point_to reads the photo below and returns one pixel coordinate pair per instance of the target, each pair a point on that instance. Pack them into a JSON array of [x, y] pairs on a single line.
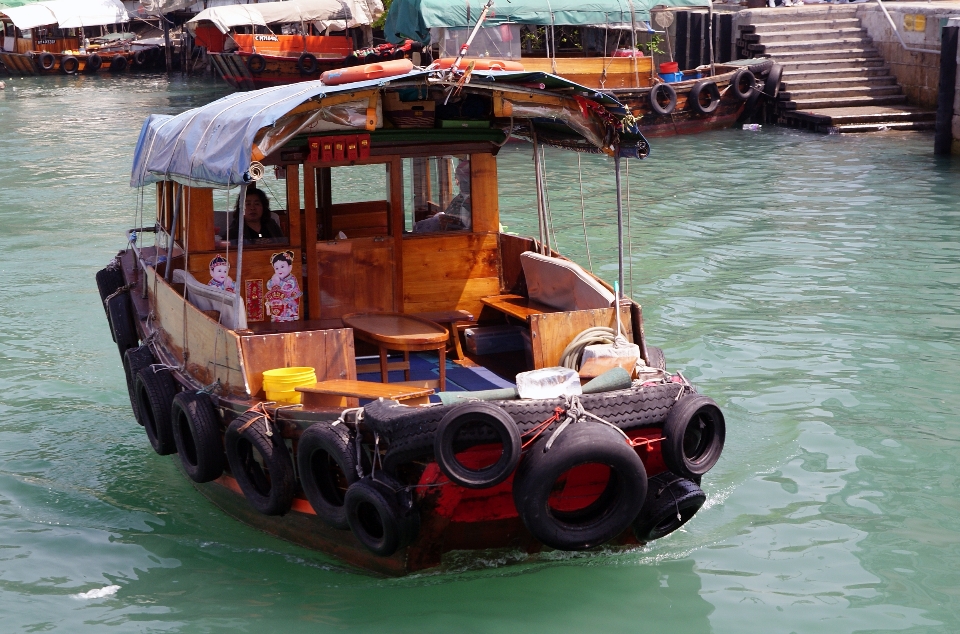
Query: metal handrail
[[896, 32]]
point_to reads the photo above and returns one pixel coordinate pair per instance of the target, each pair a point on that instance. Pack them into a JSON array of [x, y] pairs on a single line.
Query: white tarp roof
[[68, 14], [338, 13]]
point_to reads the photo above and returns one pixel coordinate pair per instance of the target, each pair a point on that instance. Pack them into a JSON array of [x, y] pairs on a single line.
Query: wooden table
[[405, 333]]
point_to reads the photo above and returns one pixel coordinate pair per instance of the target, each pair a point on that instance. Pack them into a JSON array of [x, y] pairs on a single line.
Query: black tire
[[771, 86], [750, 107], [118, 64], [94, 62], [69, 65], [109, 279], [328, 466], [134, 360], [139, 58], [656, 358], [742, 84], [120, 316], [155, 392], [600, 521], [47, 61], [671, 502], [381, 514], [256, 64], [705, 88], [268, 482], [196, 433], [669, 93], [307, 64], [481, 415], [693, 436], [408, 431], [760, 68]]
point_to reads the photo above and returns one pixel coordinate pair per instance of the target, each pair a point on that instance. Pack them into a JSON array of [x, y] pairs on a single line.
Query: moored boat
[[243, 338]]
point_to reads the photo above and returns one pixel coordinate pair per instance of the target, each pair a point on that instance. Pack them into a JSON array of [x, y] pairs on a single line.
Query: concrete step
[[883, 127], [840, 93], [786, 37], [832, 74], [850, 116], [792, 84], [827, 64], [860, 118], [806, 13], [852, 44], [846, 54], [803, 25], [846, 102]]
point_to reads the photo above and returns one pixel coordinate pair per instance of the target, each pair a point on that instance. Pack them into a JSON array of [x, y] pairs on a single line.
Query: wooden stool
[[454, 321], [347, 393], [406, 333]]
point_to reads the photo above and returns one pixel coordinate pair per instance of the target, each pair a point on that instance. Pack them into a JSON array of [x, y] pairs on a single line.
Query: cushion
[[561, 284]]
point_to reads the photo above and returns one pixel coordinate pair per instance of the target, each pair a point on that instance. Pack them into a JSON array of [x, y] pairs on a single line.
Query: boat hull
[[26, 64], [234, 68]]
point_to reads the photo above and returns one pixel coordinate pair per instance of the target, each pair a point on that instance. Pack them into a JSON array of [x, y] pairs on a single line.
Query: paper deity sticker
[[283, 293], [254, 297], [219, 267]]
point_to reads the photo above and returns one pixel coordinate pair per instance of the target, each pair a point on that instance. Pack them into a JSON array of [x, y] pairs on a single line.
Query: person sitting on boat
[[456, 217], [258, 226]]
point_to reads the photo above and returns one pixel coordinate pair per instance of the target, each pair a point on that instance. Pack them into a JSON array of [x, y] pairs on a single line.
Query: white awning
[[68, 14], [346, 13]]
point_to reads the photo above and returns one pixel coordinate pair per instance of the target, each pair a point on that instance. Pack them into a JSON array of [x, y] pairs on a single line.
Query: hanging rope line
[[583, 215], [629, 229]]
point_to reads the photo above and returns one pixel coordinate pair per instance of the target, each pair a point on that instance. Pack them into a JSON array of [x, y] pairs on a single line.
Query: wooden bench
[[517, 306], [347, 393], [454, 321]]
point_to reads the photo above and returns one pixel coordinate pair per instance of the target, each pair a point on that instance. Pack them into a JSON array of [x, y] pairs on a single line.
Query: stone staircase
[[834, 79]]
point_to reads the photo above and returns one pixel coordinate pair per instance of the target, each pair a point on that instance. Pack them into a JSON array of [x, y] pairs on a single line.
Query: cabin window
[[358, 202], [267, 222], [437, 195]]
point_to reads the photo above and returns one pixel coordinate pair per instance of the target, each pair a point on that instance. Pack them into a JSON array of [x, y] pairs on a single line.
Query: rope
[[259, 408], [629, 230], [583, 215], [122, 289], [570, 357]]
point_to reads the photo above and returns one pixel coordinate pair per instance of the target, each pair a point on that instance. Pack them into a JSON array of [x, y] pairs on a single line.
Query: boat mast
[[616, 167]]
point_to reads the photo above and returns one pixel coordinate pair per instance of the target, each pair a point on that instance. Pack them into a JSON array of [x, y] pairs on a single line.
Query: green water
[[811, 284]]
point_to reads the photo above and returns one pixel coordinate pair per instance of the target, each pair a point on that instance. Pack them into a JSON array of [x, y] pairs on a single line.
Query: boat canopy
[[413, 19], [214, 145], [340, 14], [68, 14]]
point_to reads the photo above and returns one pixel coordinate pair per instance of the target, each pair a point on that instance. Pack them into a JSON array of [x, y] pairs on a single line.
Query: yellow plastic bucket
[[279, 384]]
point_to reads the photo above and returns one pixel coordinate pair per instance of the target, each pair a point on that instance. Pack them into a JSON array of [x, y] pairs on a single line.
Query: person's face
[[219, 273], [282, 268], [253, 208]]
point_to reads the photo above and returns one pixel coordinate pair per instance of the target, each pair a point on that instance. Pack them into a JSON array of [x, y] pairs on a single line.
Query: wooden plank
[[322, 350], [484, 193], [517, 306], [294, 208], [464, 295], [395, 193], [511, 271], [550, 333], [356, 276], [449, 272], [616, 72], [197, 211], [310, 239]]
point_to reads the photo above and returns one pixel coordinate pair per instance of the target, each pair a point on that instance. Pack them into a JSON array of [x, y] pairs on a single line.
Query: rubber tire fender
[[94, 62], [771, 86], [118, 64], [109, 279], [140, 58], [256, 64], [69, 65], [486, 414], [656, 358], [671, 502], [693, 435], [120, 317], [155, 391], [602, 520], [269, 491], [134, 360], [670, 94], [47, 60], [327, 459], [196, 433], [307, 64], [698, 89], [743, 76], [381, 514]]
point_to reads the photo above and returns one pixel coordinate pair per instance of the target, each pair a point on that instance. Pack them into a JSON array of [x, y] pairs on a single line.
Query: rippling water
[[811, 284]]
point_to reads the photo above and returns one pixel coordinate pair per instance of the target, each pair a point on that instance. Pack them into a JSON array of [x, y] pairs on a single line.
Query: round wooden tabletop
[[395, 329]]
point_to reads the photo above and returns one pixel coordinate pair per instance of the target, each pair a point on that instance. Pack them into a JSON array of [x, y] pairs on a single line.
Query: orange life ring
[[480, 64], [378, 70]]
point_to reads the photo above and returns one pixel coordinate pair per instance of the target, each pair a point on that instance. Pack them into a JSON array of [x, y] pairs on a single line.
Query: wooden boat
[[268, 54], [51, 38], [402, 483], [710, 96]]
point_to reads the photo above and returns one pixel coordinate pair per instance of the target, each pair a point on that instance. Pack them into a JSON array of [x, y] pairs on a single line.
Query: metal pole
[[238, 305], [616, 164], [541, 206], [173, 230], [713, 67]]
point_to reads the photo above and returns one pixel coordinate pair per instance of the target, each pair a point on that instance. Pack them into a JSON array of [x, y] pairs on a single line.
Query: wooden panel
[[329, 352], [511, 270], [550, 333], [294, 210], [395, 195], [310, 239], [449, 272], [197, 212], [484, 194], [355, 276], [589, 71], [211, 350]]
